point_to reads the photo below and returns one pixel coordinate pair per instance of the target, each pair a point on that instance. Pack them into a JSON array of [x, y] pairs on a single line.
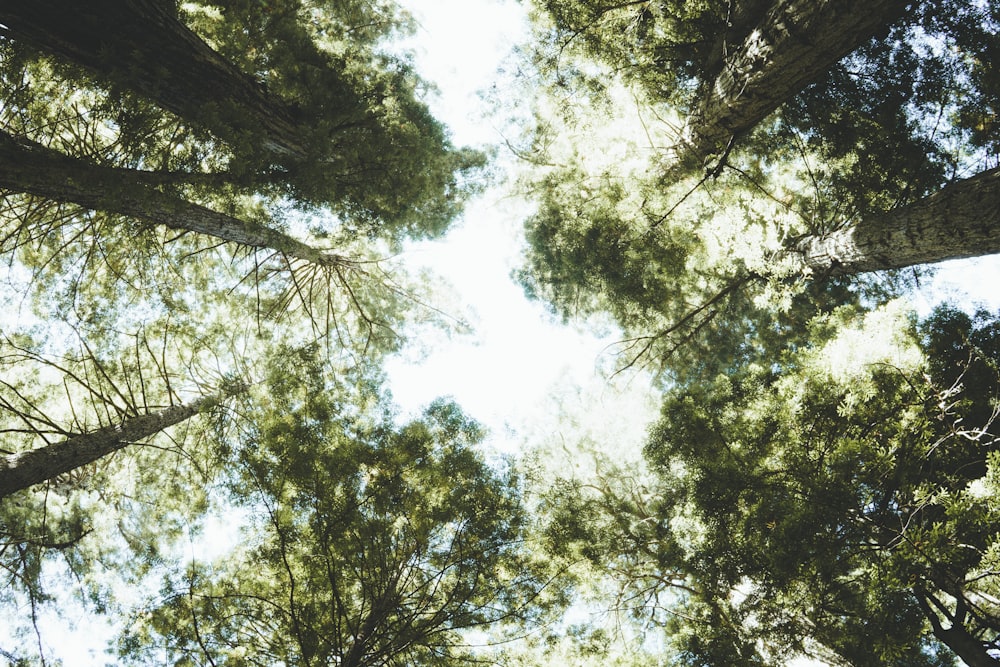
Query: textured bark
[[795, 42], [34, 169], [142, 45], [960, 220], [25, 469], [956, 637]]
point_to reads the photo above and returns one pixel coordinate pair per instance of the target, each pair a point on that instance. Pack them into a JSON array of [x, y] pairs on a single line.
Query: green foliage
[[694, 274], [367, 543], [709, 262], [841, 504], [663, 45], [79, 269], [73, 538], [140, 316], [894, 116]]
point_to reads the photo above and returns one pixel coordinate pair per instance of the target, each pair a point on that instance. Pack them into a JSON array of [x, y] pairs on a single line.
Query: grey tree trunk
[[24, 469], [142, 45], [960, 220], [34, 169], [795, 42]]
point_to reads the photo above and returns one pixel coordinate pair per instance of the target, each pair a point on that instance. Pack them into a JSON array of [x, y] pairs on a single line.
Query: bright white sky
[[504, 373]]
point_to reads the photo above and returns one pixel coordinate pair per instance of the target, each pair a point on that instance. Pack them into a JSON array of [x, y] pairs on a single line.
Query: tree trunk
[[960, 220], [965, 646], [34, 169], [956, 637], [143, 46], [25, 469], [796, 42], [381, 609]]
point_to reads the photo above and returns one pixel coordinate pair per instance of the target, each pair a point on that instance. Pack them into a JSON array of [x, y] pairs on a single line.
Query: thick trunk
[[33, 169], [960, 220], [143, 46], [25, 469], [956, 637], [965, 646], [744, 16], [796, 42]]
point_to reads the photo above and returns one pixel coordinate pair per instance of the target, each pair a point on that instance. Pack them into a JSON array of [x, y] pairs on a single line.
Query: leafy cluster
[[839, 508], [682, 257], [196, 206], [368, 543]]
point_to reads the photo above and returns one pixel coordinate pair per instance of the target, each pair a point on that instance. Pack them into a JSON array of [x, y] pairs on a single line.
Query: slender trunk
[[34, 169], [142, 45], [381, 609], [960, 220], [796, 42], [25, 469]]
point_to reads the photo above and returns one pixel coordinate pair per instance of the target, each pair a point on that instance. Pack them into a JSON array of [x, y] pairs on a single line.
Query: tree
[[298, 87], [794, 216], [727, 65], [960, 220], [368, 543], [127, 159], [792, 45], [105, 465], [838, 504], [24, 469], [30, 168], [132, 168]]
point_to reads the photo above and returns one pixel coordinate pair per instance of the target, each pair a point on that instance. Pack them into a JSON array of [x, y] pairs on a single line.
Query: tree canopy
[[838, 180], [201, 208], [183, 196], [839, 506], [301, 94], [368, 544]]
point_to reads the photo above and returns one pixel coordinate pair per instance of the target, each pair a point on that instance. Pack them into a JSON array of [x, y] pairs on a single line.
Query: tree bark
[[30, 168], [796, 42], [24, 469], [142, 45], [971, 651], [960, 220]]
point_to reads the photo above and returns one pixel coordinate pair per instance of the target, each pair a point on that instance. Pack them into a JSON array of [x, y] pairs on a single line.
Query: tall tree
[[789, 48], [840, 182], [31, 168], [839, 504], [69, 402], [960, 220], [103, 458], [306, 91], [727, 65], [23, 469], [368, 543], [134, 168]]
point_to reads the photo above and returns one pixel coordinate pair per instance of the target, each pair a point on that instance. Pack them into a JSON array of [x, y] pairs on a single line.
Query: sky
[[507, 372], [520, 373]]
